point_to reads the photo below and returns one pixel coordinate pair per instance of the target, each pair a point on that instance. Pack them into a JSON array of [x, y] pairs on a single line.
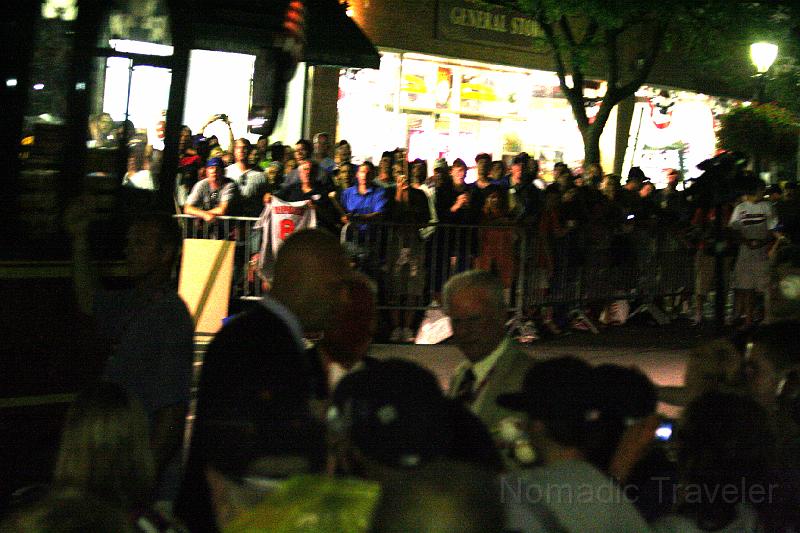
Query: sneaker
[[396, 335], [526, 333], [579, 325], [407, 335]]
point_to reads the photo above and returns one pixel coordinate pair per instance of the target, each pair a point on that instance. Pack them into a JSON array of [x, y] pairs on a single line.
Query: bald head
[[308, 267], [353, 321]]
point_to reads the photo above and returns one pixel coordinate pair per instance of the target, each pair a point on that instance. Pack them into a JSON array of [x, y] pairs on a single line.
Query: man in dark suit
[[494, 364], [258, 364]]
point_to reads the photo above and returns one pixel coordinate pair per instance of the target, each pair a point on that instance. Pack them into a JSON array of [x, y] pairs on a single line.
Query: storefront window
[[447, 108], [128, 103], [670, 129], [124, 87]]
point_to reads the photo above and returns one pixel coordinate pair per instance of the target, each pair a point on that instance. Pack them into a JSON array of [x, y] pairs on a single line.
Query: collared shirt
[[283, 312], [374, 201], [484, 367]]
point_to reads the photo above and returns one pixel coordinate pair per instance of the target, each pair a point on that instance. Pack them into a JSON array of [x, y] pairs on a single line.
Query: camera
[[664, 431]]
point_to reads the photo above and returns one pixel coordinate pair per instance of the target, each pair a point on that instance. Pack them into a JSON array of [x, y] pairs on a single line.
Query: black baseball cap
[[395, 413], [625, 393], [562, 387]]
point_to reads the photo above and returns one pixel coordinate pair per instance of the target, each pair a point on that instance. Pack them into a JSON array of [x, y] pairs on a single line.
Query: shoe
[[396, 335], [579, 325], [407, 335], [526, 333]]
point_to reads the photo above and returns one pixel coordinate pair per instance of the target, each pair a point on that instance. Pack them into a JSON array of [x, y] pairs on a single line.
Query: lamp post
[[762, 54]]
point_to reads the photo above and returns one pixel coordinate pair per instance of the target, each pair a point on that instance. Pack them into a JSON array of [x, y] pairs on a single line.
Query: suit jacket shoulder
[[506, 377]]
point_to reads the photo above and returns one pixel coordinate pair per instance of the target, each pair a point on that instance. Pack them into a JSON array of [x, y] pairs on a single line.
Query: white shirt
[[754, 219], [484, 367], [142, 179]]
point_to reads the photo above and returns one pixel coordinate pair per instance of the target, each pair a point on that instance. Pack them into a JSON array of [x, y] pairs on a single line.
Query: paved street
[[660, 351]]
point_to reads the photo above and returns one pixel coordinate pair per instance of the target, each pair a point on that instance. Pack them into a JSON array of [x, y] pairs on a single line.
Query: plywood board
[[205, 281]]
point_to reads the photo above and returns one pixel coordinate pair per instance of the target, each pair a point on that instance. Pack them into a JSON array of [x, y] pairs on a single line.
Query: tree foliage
[[763, 130], [620, 41]]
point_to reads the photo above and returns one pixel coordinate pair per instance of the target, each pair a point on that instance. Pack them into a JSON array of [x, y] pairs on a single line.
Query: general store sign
[[474, 22]]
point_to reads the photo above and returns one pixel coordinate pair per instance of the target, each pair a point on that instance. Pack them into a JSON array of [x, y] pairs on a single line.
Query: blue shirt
[[373, 201]]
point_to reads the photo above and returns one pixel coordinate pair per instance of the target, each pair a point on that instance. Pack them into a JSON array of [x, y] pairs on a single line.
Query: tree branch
[[643, 70], [575, 93], [612, 76], [566, 29], [591, 31]]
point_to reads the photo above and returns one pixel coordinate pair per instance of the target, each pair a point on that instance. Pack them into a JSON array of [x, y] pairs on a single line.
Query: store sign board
[[475, 22]]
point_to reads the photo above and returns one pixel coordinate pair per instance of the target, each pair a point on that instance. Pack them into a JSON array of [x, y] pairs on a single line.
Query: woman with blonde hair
[[105, 449]]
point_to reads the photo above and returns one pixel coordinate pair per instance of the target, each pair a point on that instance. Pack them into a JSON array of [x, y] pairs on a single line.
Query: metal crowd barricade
[[641, 265], [410, 264]]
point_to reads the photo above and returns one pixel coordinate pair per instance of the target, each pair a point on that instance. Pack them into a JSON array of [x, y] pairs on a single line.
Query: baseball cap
[[562, 387], [636, 174], [624, 393], [394, 411], [215, 162]]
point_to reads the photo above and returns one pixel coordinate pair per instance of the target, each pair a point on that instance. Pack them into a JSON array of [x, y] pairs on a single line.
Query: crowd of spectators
[[575, 222]]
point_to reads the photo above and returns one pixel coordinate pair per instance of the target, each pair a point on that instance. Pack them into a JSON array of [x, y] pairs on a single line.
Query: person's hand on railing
[[207, 216]]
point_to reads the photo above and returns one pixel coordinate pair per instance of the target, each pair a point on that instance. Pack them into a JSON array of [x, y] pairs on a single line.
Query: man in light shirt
[[494, 364]]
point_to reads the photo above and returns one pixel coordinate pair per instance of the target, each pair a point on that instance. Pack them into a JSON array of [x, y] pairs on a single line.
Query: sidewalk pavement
[[660, 351]]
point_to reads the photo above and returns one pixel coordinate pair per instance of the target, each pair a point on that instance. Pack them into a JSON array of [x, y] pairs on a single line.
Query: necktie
[[465, 393]]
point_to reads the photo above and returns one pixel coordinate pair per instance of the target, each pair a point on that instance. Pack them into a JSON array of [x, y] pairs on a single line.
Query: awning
[[334, 39]]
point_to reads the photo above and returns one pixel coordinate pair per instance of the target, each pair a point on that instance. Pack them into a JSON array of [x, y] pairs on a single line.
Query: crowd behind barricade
[[298, 428], [579, 250]]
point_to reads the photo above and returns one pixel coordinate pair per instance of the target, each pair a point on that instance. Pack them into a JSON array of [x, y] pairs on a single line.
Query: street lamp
[[762, 54]]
